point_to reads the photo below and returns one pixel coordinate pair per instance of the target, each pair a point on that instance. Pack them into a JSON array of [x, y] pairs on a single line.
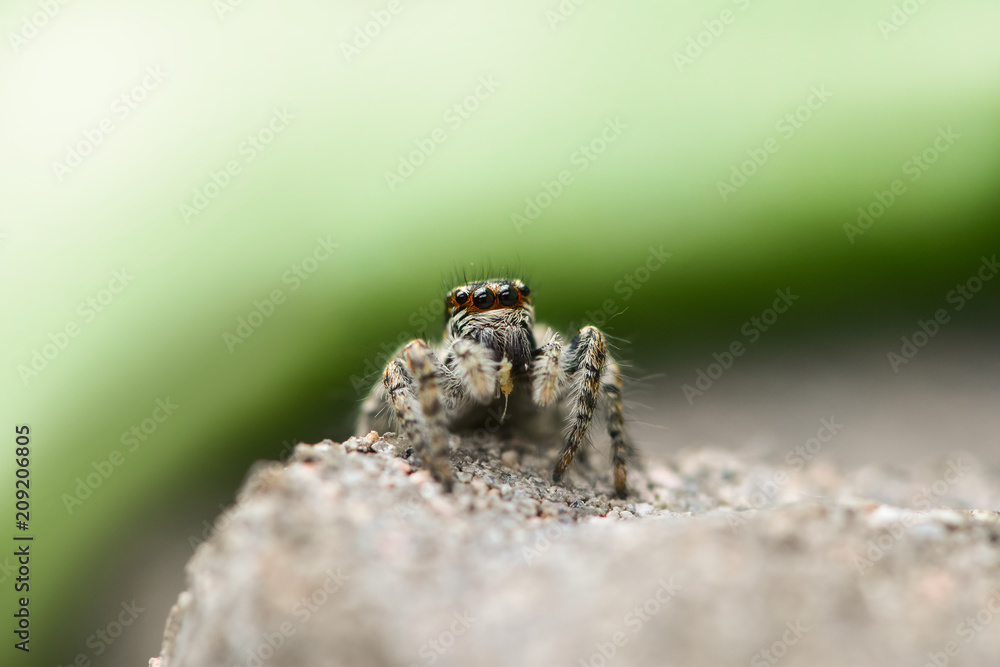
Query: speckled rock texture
[[349, 554]]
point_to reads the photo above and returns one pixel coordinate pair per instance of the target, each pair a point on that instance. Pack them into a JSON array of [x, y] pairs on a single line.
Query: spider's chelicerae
[[494, 360]]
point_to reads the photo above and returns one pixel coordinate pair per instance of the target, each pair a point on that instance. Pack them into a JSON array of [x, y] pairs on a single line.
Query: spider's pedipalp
[[547, 377], [473, 369]]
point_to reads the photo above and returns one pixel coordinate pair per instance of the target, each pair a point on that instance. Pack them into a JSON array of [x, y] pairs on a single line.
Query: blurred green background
[[120, 121]]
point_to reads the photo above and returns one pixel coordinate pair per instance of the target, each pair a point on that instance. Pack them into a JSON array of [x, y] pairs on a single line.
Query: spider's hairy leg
[[422, 421], [586, 356], [473, 370], [611, 385], [396, 384], [547, 375]]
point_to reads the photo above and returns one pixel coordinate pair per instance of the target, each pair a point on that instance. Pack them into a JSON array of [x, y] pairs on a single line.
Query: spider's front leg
[[413, 384], [585, 363], [592, 372]]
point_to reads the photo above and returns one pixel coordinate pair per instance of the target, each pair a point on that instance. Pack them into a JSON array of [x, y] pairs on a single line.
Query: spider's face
[[497, 313], [488, 295]]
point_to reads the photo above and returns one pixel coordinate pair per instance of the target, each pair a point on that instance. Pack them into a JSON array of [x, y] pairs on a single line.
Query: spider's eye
[[483, 298], [507, 295], [461, 296], [524, 290]]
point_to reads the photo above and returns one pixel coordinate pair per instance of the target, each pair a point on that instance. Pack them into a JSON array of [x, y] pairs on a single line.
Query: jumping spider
[[490, 361]]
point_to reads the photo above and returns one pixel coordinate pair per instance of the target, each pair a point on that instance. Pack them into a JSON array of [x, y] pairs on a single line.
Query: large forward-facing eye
[[507, 296], [483, 298]]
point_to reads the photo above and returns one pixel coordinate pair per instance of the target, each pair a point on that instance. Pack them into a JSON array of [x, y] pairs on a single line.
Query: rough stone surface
[[349, 554]]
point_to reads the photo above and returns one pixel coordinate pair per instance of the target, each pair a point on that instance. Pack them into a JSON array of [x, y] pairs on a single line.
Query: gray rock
[[350, 555]]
